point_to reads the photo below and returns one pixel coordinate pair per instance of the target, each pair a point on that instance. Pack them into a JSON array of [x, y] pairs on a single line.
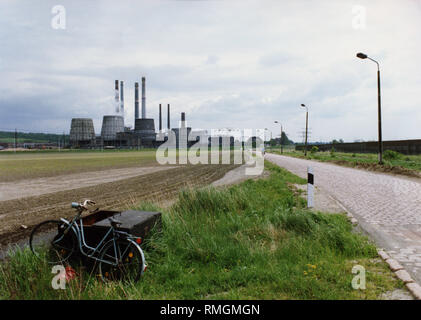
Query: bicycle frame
[[78, 231]]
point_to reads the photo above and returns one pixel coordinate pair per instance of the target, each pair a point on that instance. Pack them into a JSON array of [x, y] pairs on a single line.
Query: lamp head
[[361, 55], [303, 105]]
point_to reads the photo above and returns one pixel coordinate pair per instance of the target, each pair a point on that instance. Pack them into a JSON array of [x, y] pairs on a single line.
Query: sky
[[226, 63]]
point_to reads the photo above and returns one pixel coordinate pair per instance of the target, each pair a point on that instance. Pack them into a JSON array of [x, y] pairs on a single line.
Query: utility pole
[[305, 148], [379, 117], [280, 140], [305, 152], [282, 150], [379, 114], [16, 139]]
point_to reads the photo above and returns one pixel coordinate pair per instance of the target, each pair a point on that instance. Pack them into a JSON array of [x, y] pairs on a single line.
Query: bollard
[[310, 188]]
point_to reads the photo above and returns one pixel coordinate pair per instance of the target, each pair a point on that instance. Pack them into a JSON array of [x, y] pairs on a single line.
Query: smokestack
[[117, 107], [183, 120], [136, 100], [122, 97], [168, 117], [143, 99], [160, 118]]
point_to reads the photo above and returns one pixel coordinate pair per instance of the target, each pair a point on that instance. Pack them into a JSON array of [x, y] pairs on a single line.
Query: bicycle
[[118, 253]]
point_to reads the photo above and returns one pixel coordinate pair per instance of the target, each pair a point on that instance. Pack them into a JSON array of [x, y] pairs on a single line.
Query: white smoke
[[117, 103]]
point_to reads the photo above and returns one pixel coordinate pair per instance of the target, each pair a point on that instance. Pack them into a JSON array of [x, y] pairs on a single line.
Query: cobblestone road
[[387, 207]]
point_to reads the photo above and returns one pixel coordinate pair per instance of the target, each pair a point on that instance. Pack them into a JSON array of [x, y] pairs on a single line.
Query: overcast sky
[[238, 64]]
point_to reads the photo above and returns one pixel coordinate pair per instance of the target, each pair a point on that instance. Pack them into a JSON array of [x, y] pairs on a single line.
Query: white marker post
[[310, 188]]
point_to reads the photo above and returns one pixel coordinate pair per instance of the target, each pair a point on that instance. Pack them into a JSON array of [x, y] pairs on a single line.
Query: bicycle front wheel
[[48, 241], [121, 260]]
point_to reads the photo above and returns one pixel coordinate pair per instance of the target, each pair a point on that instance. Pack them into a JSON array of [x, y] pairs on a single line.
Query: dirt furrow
[[118, 195]]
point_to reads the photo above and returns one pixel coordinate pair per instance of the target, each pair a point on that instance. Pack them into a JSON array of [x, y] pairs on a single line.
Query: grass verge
[[408, 165], [254, 240]]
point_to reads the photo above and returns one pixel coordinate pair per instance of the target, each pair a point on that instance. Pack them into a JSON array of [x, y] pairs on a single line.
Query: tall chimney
[[117, 106], [136, 100], [168, 117], [160, 118], [183, 120], [143, 99], [122, 98]]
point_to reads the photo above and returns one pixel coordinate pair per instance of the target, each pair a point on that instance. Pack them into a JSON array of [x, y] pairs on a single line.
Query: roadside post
[[310, 187]]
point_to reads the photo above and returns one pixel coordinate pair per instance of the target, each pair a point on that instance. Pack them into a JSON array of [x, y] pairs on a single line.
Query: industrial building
[[82, 133], [113, 130]]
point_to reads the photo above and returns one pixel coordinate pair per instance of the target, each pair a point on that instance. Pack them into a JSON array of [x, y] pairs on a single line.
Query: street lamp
[[364, 56], [305, 149], [280, 140]]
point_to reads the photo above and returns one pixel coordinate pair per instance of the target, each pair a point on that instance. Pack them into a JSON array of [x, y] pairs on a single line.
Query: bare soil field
[[39, 186], [156, 187]]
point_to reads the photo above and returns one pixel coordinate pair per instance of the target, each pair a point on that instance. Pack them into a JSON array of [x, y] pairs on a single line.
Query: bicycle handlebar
[[82, 206]]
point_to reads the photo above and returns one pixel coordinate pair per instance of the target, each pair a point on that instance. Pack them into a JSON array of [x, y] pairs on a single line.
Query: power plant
[[114, 134], [111, 126], [82, 133]]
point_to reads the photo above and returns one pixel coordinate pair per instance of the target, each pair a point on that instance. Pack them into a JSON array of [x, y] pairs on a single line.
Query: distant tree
[[284, 139]]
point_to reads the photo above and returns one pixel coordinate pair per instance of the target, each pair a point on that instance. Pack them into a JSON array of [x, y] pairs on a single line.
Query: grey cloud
[[244, 71]]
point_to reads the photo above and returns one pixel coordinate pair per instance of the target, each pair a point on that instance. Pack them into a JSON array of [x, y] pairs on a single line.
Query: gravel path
[[387, 207], [234, 176]]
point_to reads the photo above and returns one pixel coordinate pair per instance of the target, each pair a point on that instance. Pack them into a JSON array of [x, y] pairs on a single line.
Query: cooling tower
[[82, 131], [111, 125]]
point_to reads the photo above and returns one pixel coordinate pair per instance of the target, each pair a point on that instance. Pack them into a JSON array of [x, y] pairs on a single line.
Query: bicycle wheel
[[48, 241], [127, 258]]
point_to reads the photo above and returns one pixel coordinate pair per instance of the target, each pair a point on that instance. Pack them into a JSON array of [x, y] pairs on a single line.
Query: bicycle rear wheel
[[127, 258], [48, 241]]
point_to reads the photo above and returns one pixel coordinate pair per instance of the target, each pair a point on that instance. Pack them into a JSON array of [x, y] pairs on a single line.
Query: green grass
[[254, 240], [370, 160], [25, 165]]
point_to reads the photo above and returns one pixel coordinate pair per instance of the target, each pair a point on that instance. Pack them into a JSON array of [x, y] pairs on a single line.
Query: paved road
[[388, 207]]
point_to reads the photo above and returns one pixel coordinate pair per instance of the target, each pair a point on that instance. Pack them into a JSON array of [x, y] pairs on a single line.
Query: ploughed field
[[159, 187]]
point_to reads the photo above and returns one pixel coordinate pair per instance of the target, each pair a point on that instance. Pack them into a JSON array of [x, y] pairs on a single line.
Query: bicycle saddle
[[114, 222]]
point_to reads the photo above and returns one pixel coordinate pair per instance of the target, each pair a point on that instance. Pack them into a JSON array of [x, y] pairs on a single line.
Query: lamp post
[[280, 140], [305, 148], [379, 114]]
